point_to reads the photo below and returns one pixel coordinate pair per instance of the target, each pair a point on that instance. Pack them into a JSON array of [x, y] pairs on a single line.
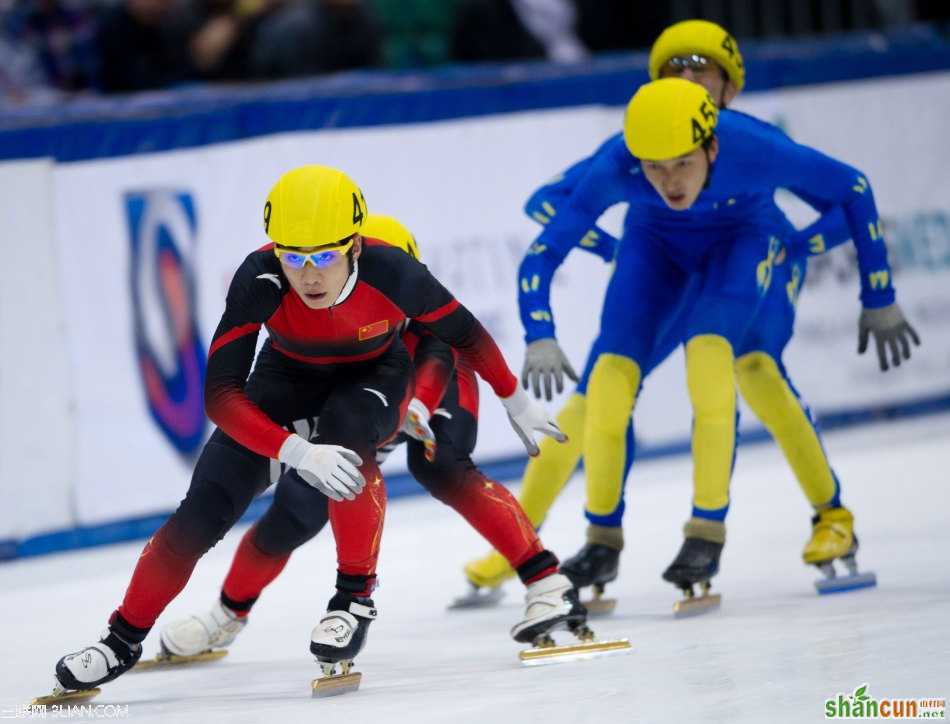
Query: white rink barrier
[[118, 270]]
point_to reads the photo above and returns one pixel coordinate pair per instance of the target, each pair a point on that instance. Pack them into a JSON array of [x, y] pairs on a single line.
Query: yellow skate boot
[[485, 576], [832, 539], [832, 536]]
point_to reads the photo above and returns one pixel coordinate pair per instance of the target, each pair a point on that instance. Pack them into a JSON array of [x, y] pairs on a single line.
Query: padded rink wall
[[125, 219]]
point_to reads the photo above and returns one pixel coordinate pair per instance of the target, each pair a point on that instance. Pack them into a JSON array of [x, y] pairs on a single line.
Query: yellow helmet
[[668, 118], [699, 37], [392, 231], [313, 206]]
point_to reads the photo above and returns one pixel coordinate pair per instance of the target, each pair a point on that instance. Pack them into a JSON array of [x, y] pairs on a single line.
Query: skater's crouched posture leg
[[550, 599], [225, 480], [361, 416], [452, 478]]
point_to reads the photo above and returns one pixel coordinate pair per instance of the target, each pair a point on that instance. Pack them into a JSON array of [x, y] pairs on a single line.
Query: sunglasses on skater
[[678, 63], [320, 258]]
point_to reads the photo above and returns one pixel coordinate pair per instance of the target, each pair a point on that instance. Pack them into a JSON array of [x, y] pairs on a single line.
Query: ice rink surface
[[774, 652]]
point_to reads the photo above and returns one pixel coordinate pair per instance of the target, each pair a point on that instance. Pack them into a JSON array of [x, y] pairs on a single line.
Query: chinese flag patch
[[373, 330]]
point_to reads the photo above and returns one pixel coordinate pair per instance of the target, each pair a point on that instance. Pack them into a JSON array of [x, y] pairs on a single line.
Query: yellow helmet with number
[[667, 118], [393, 232], [314, 206], [698, 37]]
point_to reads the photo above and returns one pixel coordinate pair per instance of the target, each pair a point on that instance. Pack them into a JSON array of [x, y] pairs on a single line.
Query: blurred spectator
[[553, 23], [605, 25], [415, 33], [492, 30], [349, 36], [259, 39], [46, 45], [143, 44]]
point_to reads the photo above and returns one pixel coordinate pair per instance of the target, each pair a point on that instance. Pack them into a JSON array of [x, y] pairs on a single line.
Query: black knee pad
[[444, 474], [359, 420], [297, 514], [223, 484]]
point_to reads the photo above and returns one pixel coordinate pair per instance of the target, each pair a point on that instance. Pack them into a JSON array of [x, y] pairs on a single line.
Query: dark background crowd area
[[52, 48]]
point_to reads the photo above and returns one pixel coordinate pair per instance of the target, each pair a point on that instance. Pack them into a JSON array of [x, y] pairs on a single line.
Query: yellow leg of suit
[[710, 377], [544, 478], [611, 395], [776, 405]]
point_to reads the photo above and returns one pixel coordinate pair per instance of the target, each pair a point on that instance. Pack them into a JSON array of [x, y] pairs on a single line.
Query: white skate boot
[[204, 637], [552, 603], [79, 675], [337, 639]]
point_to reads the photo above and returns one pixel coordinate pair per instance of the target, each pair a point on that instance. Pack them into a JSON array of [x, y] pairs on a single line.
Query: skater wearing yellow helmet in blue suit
[[704, 53]]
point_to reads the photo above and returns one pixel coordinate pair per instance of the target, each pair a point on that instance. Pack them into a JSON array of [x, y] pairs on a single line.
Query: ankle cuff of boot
[[355, 584], [713, 531], [132, 635], [238, 608], [610, 536], [537, 566]]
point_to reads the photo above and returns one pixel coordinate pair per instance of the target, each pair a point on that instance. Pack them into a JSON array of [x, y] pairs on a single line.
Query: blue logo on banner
[[171, 357]]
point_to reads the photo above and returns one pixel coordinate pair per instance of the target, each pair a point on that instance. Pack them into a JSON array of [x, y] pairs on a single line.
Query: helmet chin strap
[[709, 170], [350, 284]]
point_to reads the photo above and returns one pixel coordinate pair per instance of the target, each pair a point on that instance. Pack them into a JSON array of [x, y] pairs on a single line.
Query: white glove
[[416, 426], [331, 469], [528, 417]]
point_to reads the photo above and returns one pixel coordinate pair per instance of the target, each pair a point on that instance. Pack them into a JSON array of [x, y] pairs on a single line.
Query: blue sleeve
[[832, 183], [582, 195], [824, 234], [543, 204]]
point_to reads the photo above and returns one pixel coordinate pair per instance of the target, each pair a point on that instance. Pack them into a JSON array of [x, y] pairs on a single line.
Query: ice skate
[[596, 564], [485, 577], [196, 639], [833, 539], [79, 675], [695, 564], [335, 642], [550, 604]]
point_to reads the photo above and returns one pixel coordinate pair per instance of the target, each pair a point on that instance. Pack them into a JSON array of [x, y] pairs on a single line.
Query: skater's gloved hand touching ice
[[416, 426], [891, 332], [331, 469], [528, 417], [545, 361]]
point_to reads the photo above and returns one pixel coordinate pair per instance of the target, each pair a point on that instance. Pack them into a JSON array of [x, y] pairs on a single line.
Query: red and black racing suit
[[343, 367], [451, 393]]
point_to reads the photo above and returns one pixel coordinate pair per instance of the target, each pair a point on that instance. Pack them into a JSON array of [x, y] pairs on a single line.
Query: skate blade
[[478, 598], [573, 652], [162, 661], [697, 606], [597, 607], [64, 696], [335, 685], [842, 584]]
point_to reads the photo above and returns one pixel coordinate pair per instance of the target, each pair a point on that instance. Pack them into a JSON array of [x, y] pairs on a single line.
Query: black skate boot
[[596, 564], [337, 639], [696, 563], [98, 664]]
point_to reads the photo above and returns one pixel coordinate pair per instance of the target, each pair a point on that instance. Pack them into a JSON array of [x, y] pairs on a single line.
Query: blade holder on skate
[[853, 581], [60, 695], [693, 605], [597, 605], [334, 683], [546, 651], [164, 660]]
